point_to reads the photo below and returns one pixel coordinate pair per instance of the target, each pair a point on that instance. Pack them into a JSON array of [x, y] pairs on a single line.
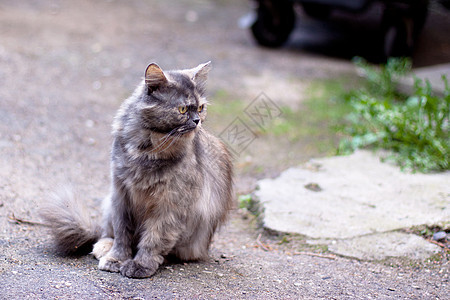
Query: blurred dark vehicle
[[401, 22]]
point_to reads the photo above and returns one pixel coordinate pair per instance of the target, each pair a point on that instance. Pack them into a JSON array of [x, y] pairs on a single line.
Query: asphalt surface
[[65, 67]]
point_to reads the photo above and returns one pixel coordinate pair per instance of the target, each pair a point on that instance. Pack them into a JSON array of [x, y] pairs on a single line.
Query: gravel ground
[[65, 67]]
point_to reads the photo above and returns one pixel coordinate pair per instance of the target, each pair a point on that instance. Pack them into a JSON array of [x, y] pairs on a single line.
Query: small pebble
[[439, 235], [191, 16], [97, 48], [96, 85], [89, 123], [91, 141], [313, 187]]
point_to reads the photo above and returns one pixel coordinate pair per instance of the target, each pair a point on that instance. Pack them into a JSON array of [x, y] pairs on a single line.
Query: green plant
[[251, 204], [383, 81], [414, 128], [245, 201]]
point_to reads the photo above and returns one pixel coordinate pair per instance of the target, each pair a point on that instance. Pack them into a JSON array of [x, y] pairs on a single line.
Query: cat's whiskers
[[167, 142], [165, 145]]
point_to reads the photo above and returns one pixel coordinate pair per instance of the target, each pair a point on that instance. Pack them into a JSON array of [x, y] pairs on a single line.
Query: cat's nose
[[196, 120]]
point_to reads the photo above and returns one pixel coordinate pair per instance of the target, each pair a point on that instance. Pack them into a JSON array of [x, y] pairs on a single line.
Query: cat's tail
[[74, 231]]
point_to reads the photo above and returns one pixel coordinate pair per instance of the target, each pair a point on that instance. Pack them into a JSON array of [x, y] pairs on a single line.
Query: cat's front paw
[[133, 269], [102, 247], [109, 264]]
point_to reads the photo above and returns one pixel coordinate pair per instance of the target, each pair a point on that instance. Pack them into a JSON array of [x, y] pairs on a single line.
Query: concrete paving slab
[[383, 245], [346, 197], [432, 73]]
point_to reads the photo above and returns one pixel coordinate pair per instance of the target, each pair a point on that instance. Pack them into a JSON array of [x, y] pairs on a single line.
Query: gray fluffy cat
[[171, 181]]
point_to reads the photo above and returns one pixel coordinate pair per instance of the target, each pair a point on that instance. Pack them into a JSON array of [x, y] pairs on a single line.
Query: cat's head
[[173, 102]]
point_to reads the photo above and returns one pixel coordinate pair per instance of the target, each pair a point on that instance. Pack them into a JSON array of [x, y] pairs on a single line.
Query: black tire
[[401, 27], [275, 22], [445, 3], [396, 39], [317, 11]]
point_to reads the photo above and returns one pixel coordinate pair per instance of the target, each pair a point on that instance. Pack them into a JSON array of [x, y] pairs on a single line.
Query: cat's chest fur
[[157, 182]]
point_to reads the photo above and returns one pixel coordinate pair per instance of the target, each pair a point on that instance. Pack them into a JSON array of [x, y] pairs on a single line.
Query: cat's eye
[[182, 109], [200, 108]]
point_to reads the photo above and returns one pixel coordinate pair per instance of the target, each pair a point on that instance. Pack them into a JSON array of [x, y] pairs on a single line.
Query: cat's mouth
[[186, 129], [189, 126], [178, 131]]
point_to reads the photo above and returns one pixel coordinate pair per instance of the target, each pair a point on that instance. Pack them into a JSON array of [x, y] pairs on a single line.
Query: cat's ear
[[154, 77], [200, 74]]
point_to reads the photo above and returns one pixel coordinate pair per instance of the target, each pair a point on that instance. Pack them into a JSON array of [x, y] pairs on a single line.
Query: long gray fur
[[171, 180]]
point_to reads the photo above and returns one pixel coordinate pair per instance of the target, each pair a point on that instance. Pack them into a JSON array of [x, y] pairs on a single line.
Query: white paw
[[102, 247], [109, 264]]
